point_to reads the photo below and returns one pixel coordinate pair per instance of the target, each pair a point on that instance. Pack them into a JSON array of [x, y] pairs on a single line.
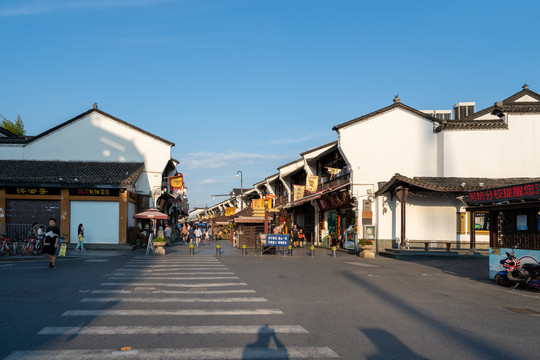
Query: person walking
[[167, 234], [52, 234], [215, 230], [294, 235], [301, 237], [209, 232], [185, 233], [198, 235], [191, 234], [80, 234]]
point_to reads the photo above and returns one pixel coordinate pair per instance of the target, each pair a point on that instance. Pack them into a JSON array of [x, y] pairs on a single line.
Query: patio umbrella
[[152, 214]]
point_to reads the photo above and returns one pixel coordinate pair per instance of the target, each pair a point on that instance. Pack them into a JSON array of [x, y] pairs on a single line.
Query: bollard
[[191, 249], [290, 250], [333, 251], [244, 249], [312, 251], [218, 250]]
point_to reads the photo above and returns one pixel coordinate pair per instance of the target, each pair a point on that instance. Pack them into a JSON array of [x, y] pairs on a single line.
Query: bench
[[447, 243]]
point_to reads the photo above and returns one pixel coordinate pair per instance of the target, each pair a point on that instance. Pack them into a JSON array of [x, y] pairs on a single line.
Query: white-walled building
[[401, 155], [92, 141]]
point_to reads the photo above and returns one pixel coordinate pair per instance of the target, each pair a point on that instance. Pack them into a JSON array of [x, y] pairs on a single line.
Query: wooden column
[[3, 212], [122, 217], [65, 215], [401, 194], [473, 231]]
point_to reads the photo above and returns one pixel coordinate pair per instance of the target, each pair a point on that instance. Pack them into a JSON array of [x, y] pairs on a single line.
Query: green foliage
[[159, 239], [16, 127], [364, 242]]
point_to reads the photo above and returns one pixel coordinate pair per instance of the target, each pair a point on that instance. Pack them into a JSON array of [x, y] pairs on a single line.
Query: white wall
[[96, 137], [495, 153], [394, 142], [100, 221]]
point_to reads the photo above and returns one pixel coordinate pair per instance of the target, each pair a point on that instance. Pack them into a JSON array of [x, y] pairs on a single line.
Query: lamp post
[[241, 186]]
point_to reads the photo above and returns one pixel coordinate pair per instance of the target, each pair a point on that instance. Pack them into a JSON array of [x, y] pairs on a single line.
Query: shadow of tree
[[260, 349]]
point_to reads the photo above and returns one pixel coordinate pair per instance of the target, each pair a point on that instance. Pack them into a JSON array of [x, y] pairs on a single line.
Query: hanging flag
[[311, 183], [298, 192], [333, 172]]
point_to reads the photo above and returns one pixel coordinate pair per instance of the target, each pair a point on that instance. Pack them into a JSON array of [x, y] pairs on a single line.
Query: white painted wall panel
[[100, 220]]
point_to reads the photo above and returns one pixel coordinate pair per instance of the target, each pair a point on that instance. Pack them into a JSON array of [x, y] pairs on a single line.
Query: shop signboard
[[32, 190], [508, 193], [311, 183], [94, 192], [176, 183], [277, 240]]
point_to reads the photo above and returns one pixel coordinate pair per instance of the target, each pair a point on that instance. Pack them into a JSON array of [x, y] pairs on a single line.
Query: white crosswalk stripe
[[184, 312], [180, 354], [203, 285], [178, 287], [137, 330], [160, 291], [175, 299]]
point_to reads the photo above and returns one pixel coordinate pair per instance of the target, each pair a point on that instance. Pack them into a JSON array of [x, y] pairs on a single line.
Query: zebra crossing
[[176, 296]]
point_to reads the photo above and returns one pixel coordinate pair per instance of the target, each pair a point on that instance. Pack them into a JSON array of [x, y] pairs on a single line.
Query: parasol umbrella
[[152, 214]]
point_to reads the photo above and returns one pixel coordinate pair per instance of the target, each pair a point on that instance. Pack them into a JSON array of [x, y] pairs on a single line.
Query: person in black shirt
[[52, 234]]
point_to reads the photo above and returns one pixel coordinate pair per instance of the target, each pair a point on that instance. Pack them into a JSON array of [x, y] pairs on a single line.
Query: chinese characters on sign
[[298, 192], [94, 192], [311, 183], [32, 190], [515, 192], [277, 240], [176, 183]]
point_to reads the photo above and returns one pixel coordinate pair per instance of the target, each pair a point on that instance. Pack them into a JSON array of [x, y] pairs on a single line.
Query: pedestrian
[[167, 234], [294, 235], [52, 235], [80, 234], [277, 230], [210, 233], [191, 234], [185, 233], [301, 237], [198, 235], [207, 236], [41, 232], [215, 230], [34, 230]]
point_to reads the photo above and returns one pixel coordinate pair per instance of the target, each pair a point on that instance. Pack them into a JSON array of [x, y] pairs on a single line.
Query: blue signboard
[[277, 240]]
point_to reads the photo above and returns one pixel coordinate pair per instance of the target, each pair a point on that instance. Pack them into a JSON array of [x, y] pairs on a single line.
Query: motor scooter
[[515, 274]]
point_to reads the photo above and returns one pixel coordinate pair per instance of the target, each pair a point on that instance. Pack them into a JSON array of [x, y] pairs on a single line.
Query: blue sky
[[249, 84]]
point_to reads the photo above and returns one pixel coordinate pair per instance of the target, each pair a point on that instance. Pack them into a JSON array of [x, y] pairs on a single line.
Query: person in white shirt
[[198, 235]]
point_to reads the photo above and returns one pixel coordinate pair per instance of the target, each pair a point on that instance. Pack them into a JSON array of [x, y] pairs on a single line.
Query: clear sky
[[249, 84]]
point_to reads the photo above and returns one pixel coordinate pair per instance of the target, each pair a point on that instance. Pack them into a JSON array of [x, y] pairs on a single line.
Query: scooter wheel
[[499, 279]]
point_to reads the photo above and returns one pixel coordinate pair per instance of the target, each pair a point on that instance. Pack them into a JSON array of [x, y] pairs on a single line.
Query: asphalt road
[[242, 307]]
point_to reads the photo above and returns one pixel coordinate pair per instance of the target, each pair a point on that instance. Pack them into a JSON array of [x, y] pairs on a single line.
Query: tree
[[16, 127]]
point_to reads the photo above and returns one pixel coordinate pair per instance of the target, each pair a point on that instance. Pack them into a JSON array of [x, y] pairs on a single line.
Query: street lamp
[[241, 186]]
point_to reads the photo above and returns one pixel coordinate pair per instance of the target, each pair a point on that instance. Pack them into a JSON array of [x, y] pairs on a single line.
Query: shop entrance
[[21, 214]]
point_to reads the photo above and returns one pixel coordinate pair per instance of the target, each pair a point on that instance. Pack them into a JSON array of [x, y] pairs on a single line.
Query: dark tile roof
[[292, 162], [318, 148], [450, 184], [6, 132], [508, 105], [330, 150], [395, 105], [69, 174], [472, 125]]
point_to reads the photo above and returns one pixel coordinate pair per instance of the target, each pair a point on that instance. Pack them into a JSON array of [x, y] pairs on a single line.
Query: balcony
[[339, 180]]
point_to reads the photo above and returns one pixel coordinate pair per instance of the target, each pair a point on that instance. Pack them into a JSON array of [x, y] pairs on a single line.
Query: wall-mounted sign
[[32, 190], [94, 192], [516, 192], [311, 183], [176, 183], [277, 240], [298, 192]]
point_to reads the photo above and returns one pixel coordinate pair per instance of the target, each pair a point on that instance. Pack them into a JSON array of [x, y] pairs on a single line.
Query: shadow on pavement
[[476, 345], [388, 346], [473, 268], [261, 347]]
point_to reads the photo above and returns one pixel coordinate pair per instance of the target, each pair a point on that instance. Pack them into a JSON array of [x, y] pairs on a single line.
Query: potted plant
[[159, 244], [366, 244]]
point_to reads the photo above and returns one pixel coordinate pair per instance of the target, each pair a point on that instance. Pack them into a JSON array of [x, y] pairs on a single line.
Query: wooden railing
[[521, 240], [334, 182]]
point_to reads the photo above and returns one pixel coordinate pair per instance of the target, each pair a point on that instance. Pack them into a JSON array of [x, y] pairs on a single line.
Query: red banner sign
[[516, 192]]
